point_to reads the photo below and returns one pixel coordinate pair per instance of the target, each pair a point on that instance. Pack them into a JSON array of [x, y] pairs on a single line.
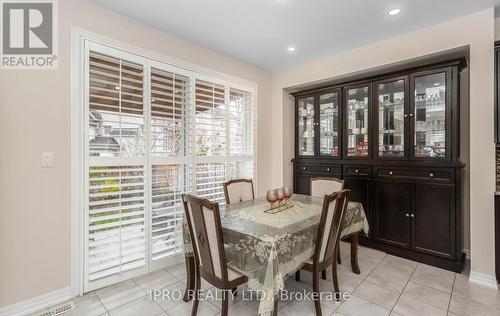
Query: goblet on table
[[280, 194], [271, 197]]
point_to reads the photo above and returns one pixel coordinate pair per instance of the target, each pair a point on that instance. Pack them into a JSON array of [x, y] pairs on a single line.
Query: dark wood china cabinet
[[394, 139]]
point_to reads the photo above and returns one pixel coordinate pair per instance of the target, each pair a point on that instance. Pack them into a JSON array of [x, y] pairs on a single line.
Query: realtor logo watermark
[[29, 34]]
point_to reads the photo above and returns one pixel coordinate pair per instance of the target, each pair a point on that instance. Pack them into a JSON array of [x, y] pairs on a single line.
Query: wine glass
[[271, 196], [288, 192], [280, 194]]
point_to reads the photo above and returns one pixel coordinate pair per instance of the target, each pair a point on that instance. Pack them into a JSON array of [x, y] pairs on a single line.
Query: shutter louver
[[241, 169], [210, 178]]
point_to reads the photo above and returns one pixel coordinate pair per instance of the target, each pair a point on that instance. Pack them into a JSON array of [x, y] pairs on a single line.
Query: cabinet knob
[[327, 169], [390, 172], [411, 114], [412, 215], [357, 171], [304, 168], [406, 115], [431, 175], [407, 215]]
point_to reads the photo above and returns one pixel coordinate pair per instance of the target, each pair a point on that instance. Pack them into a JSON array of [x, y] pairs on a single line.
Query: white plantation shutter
[[116, 112], [241, 123], [155, 132], [169, 113], [169, 183], [117, 172], [116, 220], [210, 119], [170, 147]]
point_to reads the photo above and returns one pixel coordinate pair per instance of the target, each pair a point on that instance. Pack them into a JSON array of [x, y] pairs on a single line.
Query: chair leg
[[190, 278], [275, 306], [334, 277], [339, 260], [317, 303], [323, 274], [225, 303], [196, 301], [297, 276], [354, 254]]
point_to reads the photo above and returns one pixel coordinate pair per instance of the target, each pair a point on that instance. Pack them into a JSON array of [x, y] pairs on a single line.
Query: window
[[155, 132]]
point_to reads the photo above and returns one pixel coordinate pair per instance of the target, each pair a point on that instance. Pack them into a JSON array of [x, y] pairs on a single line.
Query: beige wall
[[35, 117], [477, 32]]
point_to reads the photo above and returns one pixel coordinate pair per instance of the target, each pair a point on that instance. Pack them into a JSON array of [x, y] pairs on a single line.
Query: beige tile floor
[[387, 285]]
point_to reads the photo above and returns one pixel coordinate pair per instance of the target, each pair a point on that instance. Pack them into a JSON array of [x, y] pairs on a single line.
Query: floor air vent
[[57, 310]]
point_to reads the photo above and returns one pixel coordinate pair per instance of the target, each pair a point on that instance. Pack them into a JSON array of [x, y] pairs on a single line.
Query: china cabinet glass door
[[357, 117], [329, 124], [429, 116], [391, 114], [306, 126]]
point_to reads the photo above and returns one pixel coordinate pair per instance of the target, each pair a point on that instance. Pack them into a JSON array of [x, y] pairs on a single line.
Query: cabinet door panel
[[329, 138], [433, 225], [302, 184], [360, 192], [392, 204], [390, 118], [306, 126], [357, 120], [431, 114]]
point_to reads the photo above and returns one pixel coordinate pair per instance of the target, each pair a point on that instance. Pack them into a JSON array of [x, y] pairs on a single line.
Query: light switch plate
[[47, 160]]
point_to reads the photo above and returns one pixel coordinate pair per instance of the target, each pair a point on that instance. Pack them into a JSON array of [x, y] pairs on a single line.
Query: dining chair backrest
[[330, 226], [238, 190], [203, 217], [322, 186]]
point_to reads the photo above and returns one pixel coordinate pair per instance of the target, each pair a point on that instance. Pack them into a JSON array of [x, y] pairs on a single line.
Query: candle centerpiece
[[279, 200]]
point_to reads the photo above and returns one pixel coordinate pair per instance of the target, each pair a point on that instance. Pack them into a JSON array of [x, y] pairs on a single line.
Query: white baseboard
[[36, 303], [482, 279]]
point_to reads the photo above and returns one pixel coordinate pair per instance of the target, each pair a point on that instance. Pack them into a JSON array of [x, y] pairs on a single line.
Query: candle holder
[[279, 200]]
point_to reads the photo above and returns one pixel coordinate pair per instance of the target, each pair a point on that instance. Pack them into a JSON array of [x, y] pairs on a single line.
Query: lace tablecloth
[[268, 247]]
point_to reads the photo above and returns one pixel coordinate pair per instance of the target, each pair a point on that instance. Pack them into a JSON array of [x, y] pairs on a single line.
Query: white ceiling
[[259, 31]]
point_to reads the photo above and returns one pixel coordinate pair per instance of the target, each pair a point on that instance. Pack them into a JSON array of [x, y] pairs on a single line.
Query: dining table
[[269, 247]]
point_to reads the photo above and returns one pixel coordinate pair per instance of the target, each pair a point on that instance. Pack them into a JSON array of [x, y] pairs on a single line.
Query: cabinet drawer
[[357, 171], [333, 170], [441, 175]]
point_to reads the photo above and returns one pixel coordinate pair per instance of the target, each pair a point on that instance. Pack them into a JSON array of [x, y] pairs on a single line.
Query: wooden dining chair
[[203, 218], [238, 190], [327, 239], [321, 186]]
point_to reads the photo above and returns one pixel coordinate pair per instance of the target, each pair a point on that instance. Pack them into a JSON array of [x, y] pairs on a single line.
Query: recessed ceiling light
[[291, 49], [395, 11]]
